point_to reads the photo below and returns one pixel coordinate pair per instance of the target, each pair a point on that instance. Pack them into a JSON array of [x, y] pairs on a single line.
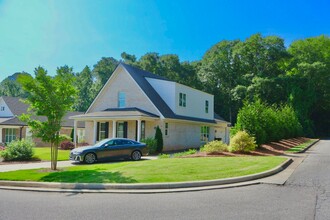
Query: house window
[[2, 108], [166, 129], [182, 99], [102, 131], [143, 129], [121, 99], [10, 134], [206, 106], [205, 133], [120, 129]]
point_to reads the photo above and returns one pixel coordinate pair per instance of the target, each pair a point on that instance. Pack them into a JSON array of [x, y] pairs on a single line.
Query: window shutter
[[107, 130], [125, 129], [98, 131]]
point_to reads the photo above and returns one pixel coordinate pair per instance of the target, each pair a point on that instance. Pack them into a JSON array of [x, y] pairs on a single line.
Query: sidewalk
[[38, 165]]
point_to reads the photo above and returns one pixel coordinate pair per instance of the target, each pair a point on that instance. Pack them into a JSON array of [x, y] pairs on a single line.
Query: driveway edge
[[143, 188]]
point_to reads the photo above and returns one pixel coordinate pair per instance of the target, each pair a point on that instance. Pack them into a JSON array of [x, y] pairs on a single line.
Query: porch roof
[[116, 113]]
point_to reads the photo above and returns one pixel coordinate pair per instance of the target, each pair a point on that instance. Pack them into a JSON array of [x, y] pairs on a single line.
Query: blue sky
[[80, 32]]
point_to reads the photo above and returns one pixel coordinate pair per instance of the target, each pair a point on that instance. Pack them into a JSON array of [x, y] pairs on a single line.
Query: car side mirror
[[106, 145]]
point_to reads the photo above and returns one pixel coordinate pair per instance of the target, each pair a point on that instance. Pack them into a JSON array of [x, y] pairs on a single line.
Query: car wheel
[[136, 155], [90, 158]]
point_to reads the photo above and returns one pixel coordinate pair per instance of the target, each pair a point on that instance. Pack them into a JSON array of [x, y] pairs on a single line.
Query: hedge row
[[268, 123]]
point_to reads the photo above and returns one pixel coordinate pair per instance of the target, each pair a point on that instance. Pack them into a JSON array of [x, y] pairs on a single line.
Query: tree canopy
[[50, 97], [234, 71]]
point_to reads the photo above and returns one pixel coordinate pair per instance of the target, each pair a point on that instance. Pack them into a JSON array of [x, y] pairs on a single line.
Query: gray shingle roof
[[17, 107], [140, 78], [118, 112]]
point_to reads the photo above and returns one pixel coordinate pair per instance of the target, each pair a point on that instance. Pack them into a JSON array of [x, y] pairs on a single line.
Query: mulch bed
[[271, 149], [19, 162]]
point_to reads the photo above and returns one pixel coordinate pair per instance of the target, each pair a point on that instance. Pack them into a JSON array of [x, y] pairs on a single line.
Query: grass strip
[[43, 153], [300, 147], [152, 171]]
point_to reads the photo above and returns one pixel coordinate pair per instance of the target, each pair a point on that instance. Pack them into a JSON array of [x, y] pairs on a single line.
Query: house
[[11, 128], [133, 102]]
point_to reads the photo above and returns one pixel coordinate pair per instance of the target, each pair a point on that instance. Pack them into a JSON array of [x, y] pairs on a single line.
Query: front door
[[122, 129]]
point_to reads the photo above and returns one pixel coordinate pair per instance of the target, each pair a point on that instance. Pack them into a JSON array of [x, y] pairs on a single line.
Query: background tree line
[[235, 72]]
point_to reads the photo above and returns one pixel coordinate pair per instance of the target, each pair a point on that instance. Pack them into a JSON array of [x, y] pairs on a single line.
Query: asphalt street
[[306, 195]]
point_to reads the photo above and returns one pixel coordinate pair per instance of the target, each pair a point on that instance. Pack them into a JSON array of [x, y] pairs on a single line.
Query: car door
[[127, 147], [110, 150]]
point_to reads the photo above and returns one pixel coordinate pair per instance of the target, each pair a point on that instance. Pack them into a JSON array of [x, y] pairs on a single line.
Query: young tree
[[50, 97]]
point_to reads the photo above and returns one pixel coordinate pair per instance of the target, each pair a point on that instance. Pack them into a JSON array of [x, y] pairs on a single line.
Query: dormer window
[[2, 108], [121, 100], [206, 106], [182, 99]]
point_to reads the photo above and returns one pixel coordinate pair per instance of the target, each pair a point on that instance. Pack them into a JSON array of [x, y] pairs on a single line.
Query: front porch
[[9, 133], [132, 123]]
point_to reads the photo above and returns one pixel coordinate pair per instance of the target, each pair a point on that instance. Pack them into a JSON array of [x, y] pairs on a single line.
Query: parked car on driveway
[[109, 149]]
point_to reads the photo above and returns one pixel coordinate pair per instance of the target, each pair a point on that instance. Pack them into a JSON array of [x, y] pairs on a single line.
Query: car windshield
[[99, 144]]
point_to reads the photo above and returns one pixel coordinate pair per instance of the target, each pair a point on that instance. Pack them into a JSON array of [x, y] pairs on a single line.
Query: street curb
[[143, 188], [309, 146]]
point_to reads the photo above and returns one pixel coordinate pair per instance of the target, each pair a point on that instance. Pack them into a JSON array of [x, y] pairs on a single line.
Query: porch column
[[95, 131], [139, 130], [0, 135], [114, 128], [75, 133]]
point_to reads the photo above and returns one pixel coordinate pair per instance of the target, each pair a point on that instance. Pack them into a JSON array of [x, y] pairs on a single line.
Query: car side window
[[118, 142], [126, 142], [110, 143]]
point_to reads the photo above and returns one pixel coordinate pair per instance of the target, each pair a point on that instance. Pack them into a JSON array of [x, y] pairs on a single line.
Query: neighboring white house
[[134, 102], [11, 128]]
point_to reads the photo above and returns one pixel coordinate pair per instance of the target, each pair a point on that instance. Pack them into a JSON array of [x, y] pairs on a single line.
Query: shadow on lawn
[[87, 176]]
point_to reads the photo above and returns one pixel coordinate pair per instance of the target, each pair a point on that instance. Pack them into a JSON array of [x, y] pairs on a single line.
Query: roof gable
[[122, 81], [140, 77], [15, 105], [17, 108]]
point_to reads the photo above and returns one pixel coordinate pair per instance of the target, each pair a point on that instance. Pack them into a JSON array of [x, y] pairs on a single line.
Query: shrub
[[18, 150], [184, 153], [67, 145], [242, 142], [2, 148], [164, 156], [151, 145], [159, 139], [214, 147]]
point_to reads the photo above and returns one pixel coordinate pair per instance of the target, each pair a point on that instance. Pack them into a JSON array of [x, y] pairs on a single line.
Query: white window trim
[[182, 99], [102, 134], [121, 99]]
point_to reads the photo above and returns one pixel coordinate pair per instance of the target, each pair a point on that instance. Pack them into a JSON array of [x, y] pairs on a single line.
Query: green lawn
[[43, 153], [300, 147], [152, 171]]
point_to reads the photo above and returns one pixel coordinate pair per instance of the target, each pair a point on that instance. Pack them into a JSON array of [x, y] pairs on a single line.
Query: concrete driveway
[[38, 165]]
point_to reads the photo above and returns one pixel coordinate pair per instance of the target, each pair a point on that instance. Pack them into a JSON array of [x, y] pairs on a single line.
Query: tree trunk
[[52, 157]]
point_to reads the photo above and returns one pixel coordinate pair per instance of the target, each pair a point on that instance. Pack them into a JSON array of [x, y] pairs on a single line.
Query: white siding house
[[134, 102]]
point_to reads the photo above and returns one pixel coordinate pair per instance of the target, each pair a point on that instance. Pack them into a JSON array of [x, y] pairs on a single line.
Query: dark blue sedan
[[109, 149]]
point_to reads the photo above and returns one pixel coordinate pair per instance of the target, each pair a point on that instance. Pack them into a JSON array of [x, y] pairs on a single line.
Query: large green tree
[[84, 85], [220, 74], [11, 87], [101, 72], [50, 97], [104, 68], [309, 73]]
